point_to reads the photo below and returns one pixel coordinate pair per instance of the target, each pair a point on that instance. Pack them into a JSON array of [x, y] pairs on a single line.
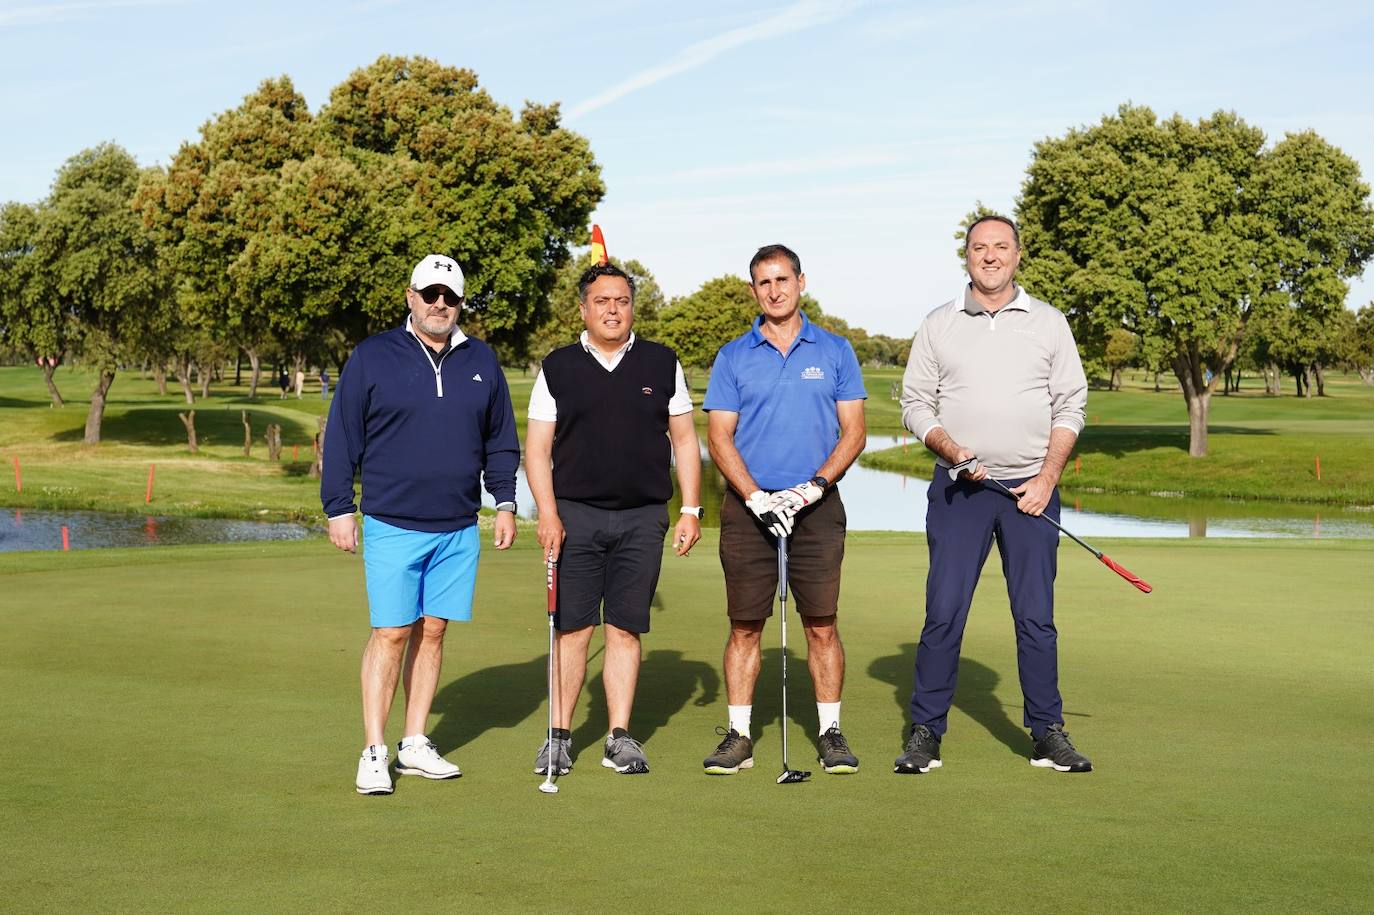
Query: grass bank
[[1136, 442], [189, 721]]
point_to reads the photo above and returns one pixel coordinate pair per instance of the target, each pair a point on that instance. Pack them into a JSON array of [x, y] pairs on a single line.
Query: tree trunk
[[1306, 381], [203, 373], [238, 369], [1273, 380], [160, 376], [48, 371], [273, 442], [1157, 388], [1114, 383], [183, 370], [316, 464], [96, 415], [188, 420], [1321, 380], [247, 433], [1191, 371], [255, 361]]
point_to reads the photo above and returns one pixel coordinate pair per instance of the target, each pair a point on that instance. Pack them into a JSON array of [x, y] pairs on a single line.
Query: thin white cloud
[[49, 13], [795, 18]]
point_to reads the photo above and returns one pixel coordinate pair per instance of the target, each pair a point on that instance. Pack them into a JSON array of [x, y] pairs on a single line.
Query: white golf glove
[[763, 505], [798, 497]]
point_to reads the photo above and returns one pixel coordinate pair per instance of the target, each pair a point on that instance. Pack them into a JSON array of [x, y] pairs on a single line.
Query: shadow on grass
[[502, 696], [975, 696], [1118, 440], [667, 682], [161, 426], [16, 404]]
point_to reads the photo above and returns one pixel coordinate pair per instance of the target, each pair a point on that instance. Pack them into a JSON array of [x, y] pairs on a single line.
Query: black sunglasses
[[431, 293]]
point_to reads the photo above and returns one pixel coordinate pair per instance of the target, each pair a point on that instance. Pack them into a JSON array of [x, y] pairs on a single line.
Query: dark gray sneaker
[[921, 754], [734, 753], [836, 757], [625, 755], [1055, 751], [562, 757]]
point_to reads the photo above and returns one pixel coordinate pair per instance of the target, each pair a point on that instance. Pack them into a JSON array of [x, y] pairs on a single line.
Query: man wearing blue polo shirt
[[423, 410], [786, 404]]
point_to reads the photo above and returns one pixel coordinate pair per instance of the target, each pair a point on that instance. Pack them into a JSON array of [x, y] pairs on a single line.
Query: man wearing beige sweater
[[995, 375]]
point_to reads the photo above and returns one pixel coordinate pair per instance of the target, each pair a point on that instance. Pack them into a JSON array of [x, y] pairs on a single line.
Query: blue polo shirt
[[788, 424]]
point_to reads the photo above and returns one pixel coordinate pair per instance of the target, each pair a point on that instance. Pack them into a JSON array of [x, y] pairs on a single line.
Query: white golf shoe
[[373, 775], [417, 756]]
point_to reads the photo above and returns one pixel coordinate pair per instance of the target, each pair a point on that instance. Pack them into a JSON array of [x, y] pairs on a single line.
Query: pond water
[[881, 500], [29, 529]]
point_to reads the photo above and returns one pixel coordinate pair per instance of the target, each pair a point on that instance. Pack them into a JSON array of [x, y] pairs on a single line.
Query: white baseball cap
[[436, 269]]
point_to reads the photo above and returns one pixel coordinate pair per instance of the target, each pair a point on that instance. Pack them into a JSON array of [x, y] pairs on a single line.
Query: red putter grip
[[552, 581], [1126, 573]]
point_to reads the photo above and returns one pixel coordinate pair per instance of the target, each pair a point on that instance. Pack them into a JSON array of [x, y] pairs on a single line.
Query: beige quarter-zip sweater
[[996, 382]]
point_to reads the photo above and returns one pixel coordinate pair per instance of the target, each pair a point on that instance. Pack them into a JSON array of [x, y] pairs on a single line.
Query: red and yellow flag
[[599, 255]]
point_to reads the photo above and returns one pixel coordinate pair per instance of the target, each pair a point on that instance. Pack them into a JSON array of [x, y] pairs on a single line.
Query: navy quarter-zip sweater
[[422, 435]]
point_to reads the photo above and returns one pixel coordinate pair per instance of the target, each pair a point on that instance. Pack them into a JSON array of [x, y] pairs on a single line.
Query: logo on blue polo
[[812, 373]]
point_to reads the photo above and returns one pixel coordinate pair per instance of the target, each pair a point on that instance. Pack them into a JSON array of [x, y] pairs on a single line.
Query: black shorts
[[749, 557], [611, 556]]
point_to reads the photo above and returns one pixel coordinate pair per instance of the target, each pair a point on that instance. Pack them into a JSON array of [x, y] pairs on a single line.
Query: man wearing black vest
[[604, 414]]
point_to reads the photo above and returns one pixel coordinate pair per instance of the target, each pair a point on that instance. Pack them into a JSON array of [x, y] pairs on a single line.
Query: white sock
[[739, 718], [829, 714], [412, 739]]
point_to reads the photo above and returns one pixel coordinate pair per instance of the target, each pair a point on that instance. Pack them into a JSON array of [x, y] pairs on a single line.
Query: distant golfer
[[605, 413], [787, 419], [993, 374], [425, 411]]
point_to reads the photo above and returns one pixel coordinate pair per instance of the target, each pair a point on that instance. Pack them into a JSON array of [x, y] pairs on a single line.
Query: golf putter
[[789, 775], [551, 583], [971, 465]]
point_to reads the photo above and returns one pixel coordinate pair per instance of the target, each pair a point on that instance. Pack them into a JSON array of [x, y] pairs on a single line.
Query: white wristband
[[691, 509]]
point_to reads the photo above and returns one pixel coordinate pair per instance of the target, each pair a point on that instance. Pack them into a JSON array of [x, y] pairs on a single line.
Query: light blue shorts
[[411, 574]]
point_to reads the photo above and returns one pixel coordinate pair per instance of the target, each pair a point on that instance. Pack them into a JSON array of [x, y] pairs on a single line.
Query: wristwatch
[[506, 507], [695, 511], [820, 481]]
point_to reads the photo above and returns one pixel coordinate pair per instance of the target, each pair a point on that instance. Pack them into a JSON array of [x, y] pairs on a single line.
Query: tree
[[1361, 352], [1121, 350], [504, 197], [564, 322], [1165, 228], [30, 321], [95, 259], [698, 325]]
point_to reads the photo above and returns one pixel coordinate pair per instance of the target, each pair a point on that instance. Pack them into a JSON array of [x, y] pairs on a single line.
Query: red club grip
[[1126, 573], [551, 572]]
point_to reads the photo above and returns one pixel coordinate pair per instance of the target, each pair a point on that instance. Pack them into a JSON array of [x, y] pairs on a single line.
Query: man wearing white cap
[[423, 410]]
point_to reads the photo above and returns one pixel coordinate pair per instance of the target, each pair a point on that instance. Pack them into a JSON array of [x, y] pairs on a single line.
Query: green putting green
[[183, 726]]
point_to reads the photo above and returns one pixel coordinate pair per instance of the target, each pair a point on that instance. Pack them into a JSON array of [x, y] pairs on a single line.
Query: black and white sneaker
[[836, 757], [625, 755], [1055, 751], [374, 773], [921, 753]]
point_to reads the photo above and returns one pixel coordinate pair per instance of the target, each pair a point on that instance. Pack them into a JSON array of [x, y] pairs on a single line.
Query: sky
[[858, 133]]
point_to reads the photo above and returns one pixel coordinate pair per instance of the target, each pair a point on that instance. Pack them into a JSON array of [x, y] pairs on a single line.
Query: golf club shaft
[[551, 585], [782, 609], [1140, 583]]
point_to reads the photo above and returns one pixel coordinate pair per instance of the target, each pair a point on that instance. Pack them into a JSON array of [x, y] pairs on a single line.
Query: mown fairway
[[183, 728]]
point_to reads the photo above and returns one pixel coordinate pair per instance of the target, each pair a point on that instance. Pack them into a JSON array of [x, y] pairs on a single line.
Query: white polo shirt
[[544, 408]]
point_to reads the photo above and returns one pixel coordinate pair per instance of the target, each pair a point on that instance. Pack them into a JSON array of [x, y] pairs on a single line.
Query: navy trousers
[[962, 520]]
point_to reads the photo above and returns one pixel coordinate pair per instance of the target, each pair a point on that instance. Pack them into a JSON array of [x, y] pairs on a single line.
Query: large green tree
[[96, 260], [505, 196], [31, 321], [1164, 228], [698, 325]]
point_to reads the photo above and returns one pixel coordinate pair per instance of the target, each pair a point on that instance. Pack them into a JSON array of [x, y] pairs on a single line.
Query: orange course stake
[[148, 495], [1077, 464], [295, 452], [1319, 468], [66, 539], [18, 480], [599, 256]]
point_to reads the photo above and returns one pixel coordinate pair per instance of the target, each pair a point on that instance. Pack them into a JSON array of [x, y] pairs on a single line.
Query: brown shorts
[[749, 556]]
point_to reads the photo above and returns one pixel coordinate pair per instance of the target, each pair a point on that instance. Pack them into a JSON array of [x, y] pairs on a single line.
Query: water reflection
[[887, 501], [43, 530]]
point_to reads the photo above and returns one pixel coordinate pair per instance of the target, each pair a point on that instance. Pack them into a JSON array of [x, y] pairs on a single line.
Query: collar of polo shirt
[[807, 333], [1019, 302]]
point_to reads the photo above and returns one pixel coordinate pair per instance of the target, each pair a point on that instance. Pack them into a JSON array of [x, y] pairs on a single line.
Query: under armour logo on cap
[[440, 270]]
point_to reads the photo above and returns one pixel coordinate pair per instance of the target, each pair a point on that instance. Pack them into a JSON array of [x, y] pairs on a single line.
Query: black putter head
[[792, 777]]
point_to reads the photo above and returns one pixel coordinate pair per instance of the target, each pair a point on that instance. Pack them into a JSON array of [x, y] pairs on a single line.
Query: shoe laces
[[920, 735], [732, 737], [619, 743], [835, 740], [1057, 738]]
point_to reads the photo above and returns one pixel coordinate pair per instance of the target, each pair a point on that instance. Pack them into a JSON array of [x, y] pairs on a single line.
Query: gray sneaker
[[625, 755], [734, 753], [562, 757]]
